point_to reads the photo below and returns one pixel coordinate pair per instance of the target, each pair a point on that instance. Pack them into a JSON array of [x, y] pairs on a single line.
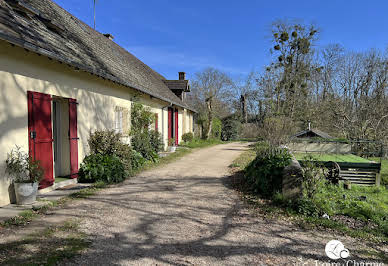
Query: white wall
[[22, 71]]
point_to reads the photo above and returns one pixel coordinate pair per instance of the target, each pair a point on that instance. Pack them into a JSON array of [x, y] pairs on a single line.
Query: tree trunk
[[210, 117]]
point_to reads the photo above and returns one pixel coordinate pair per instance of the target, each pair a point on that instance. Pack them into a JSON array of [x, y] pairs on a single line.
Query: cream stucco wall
[[22, 71]]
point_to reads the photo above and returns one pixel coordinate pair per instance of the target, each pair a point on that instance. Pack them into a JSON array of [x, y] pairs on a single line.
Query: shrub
[[125, 153], [156, 141], [107, 142], [137, 160], [145, 141], [98, 167], [104, 142], [216, 128], [141, 143], [187, 137], [231, 128], [264, 173]]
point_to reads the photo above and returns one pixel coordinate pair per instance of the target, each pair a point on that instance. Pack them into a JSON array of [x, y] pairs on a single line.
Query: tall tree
[[210, 87]]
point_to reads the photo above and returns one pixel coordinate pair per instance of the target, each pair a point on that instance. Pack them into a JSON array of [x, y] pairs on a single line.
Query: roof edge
[[33, 48]]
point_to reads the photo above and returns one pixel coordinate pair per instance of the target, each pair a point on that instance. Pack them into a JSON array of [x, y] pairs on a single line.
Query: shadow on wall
[[14, 118]]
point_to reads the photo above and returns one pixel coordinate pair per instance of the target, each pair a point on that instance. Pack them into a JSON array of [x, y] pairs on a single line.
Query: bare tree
[[210, 87]]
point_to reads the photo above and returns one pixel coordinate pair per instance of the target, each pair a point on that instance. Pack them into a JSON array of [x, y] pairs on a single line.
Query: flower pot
[[26, 193], [172, 148]]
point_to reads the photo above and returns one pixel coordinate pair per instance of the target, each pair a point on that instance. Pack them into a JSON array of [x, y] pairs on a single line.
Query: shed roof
[[44, 27], [316, 132]]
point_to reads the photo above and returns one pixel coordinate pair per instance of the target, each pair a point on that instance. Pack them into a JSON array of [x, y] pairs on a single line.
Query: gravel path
[[184, 213]]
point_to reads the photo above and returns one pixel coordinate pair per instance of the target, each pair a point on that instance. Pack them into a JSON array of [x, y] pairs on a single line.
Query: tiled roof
[[45, 28]]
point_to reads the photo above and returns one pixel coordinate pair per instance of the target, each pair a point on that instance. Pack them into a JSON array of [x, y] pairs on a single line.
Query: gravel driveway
[[184, 213]]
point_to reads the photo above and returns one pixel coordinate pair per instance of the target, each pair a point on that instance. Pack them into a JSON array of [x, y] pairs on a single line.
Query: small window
[[119, 121]]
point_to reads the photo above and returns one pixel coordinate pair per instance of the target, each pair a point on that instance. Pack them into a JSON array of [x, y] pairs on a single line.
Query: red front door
[[176, 127], [73, 139], [40, 138]]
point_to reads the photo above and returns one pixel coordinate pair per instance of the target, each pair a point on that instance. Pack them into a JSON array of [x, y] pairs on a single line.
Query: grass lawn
[[326, 157], [360, 212]]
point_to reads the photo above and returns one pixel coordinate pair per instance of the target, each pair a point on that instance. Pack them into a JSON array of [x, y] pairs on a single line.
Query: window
[[119, 120]]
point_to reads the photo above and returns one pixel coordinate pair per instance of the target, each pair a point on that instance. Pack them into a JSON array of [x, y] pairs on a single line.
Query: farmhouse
[[60, 80]]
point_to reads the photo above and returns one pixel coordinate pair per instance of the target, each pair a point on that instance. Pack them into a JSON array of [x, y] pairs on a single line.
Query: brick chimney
[[182, 76]]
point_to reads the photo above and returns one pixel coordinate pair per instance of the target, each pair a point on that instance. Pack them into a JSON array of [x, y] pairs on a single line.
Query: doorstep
[[61, 191], [58, 185]]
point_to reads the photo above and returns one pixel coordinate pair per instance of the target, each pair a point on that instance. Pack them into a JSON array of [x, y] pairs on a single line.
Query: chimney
[[309, 125], [109, 36], [182, 76]]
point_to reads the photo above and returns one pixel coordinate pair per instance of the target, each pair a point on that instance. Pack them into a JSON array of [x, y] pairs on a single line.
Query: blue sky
[[172, 36]]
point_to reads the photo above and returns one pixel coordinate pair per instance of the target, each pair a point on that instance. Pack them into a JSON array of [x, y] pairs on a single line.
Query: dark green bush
[[156, 141], [216, 128], [98, 167], [137, 160], [141, 143], [107, 142], [145, 141], [125, 153], [187, 137], [264, 174], [231, 128]]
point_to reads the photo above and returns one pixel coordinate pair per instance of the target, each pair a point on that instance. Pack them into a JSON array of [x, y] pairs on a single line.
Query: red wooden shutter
[[170, 123], [156, 122], [73, 138], [40, 136], [176, 127]]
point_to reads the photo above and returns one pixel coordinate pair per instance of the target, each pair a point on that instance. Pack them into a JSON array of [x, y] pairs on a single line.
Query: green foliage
[[145, 141], [137, 160], [22, 168], [108, 143], [231, 128], [98, 167], [156, 140], [312, 178], [187, 137], [216, 128], [264, 173], [104, 142], [141, 142], [141, 118]]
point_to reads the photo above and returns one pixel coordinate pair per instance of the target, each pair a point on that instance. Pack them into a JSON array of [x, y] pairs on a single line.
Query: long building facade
[[61, 80]]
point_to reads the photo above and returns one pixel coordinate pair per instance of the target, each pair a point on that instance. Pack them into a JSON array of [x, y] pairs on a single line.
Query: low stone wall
[[319, 147], [292, 180]]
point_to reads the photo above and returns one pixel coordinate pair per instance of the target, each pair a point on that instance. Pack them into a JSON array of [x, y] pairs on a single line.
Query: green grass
[[326, 157], [244, 159], [365, 207], [47, 247], [201, 143]]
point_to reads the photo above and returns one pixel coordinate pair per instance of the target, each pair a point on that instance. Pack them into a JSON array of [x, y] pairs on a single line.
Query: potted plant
[[171, 145], [25, 173]]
